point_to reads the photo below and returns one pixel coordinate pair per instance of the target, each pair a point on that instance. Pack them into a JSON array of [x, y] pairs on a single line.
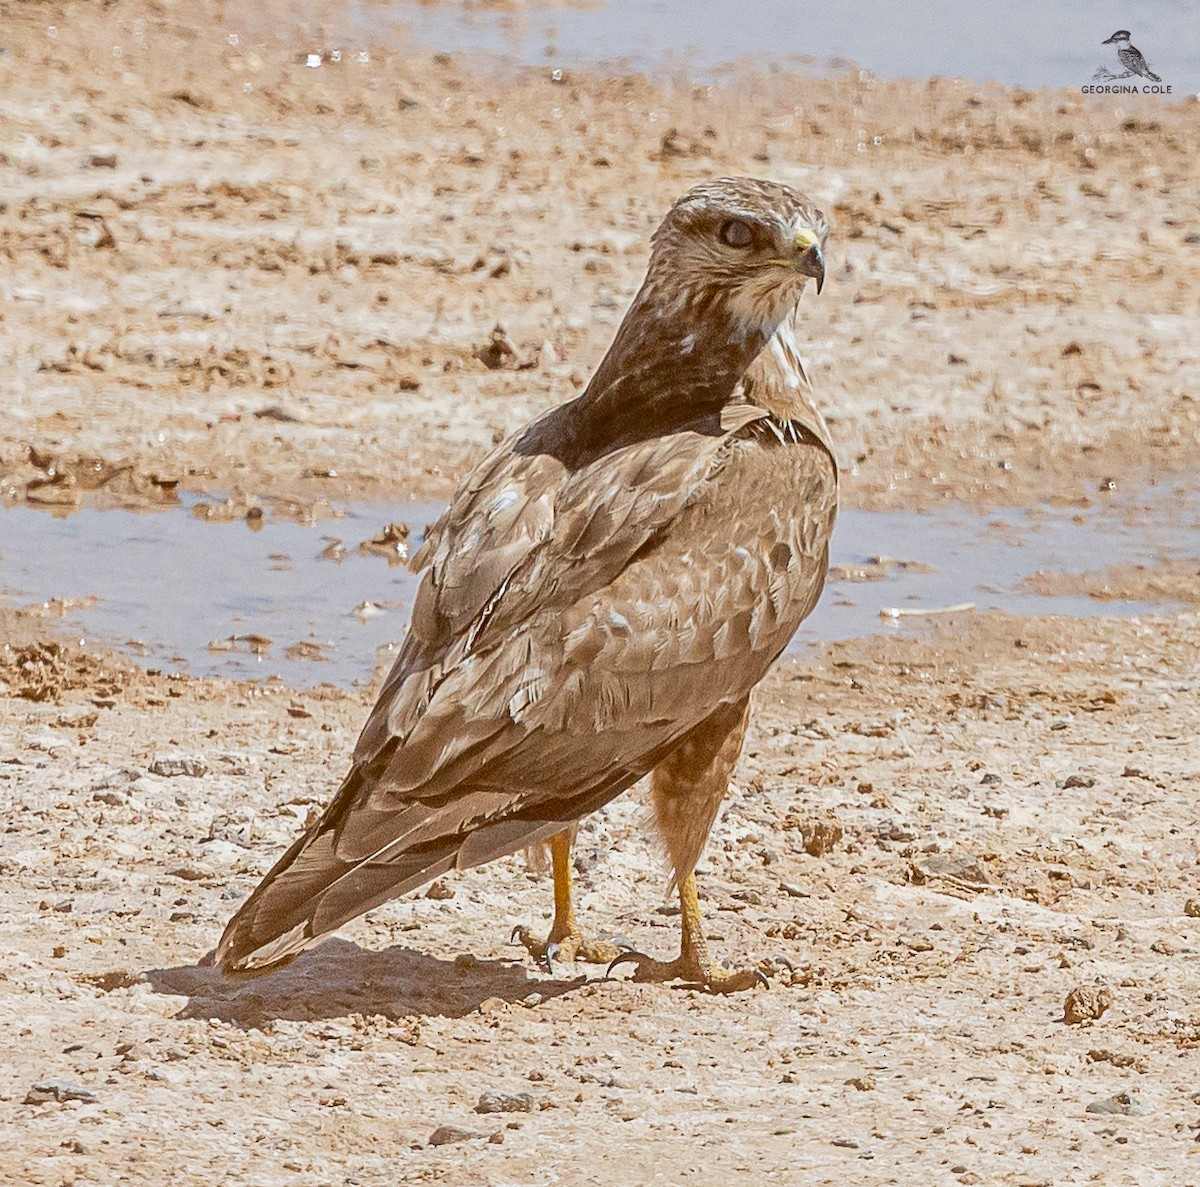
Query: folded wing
[[573, 623]]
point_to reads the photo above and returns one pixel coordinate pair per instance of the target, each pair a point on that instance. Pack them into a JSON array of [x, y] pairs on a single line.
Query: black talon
[[629, 957], [516, 931], [552, 950], [622, 942]]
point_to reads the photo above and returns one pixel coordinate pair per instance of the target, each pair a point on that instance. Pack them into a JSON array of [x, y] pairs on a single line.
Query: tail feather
[[360, 854], [313, 889], [310, 893]]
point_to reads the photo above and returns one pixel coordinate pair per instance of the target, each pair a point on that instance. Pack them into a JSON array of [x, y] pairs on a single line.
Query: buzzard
[[599, 600]]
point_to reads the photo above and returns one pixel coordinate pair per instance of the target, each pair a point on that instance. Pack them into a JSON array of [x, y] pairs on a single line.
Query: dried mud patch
[[1176, 581], [236, 272]]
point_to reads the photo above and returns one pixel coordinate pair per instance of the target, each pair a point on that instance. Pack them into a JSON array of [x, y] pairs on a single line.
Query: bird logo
[[1130, 58]]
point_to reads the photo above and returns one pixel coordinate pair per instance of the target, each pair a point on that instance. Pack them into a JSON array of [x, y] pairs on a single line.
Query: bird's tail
[[311, 891], [342, 867], [1152, 76]]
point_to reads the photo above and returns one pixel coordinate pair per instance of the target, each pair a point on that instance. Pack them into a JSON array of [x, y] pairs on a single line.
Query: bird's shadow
[[340, 978]]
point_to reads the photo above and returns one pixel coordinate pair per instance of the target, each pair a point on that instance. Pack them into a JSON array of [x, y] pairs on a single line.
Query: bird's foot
[[688, 968], [567, 947]]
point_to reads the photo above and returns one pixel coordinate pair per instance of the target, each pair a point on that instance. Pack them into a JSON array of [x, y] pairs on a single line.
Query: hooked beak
[[1108, 41], [809, 259]]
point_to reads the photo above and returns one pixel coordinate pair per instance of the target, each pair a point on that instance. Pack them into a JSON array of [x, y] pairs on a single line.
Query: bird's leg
[[687, 788], [565, 941], [693, 964]]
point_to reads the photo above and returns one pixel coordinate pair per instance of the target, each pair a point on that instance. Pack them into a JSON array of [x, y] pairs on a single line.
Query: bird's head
[[1119, 36], [741, 246]]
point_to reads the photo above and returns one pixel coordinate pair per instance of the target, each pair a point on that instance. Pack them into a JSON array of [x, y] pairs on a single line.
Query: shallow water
[[167, 584], [1021, 43]]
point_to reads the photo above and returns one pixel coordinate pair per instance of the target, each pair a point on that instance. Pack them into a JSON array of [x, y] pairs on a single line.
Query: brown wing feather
[[669, 575]]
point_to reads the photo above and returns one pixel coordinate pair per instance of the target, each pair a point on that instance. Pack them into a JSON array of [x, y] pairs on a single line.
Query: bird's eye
[[735, 233]]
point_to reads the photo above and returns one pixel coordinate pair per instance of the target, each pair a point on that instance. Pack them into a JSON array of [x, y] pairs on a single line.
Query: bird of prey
[[1130, 56], [599, 600]]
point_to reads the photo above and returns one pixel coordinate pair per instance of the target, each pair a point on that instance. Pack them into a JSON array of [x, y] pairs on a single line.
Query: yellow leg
[[565, 941], [693, 964]]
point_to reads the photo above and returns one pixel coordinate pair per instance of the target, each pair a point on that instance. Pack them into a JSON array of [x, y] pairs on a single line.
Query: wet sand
[[228, 274]]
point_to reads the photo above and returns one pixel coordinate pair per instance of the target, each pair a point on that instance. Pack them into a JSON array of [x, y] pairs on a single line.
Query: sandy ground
[[974, 847], [1018, 814]]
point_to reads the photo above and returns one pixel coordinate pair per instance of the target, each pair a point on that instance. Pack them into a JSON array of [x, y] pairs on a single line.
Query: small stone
[[188, 873], [1116, 1058], [58, 1090], [445, 1135], [957, 867], [499, 351], [1127, 1103], [391, 542], [49, 742], [110, 981], [821, 834], [169, 768], [1086, 1002], [440, 890], [235, 828], [506, 1102], [493, 1005], [1192, 908], [862, 1083]]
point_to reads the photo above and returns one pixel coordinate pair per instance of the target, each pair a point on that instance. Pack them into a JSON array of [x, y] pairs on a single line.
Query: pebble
[[48, 742], [506, 1102], [962, 867], [1127, 1103], [1086, 1002], [821, 834], [169, 768], [59, 1090], [236, 827], [445, 1135], [188, 873]]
